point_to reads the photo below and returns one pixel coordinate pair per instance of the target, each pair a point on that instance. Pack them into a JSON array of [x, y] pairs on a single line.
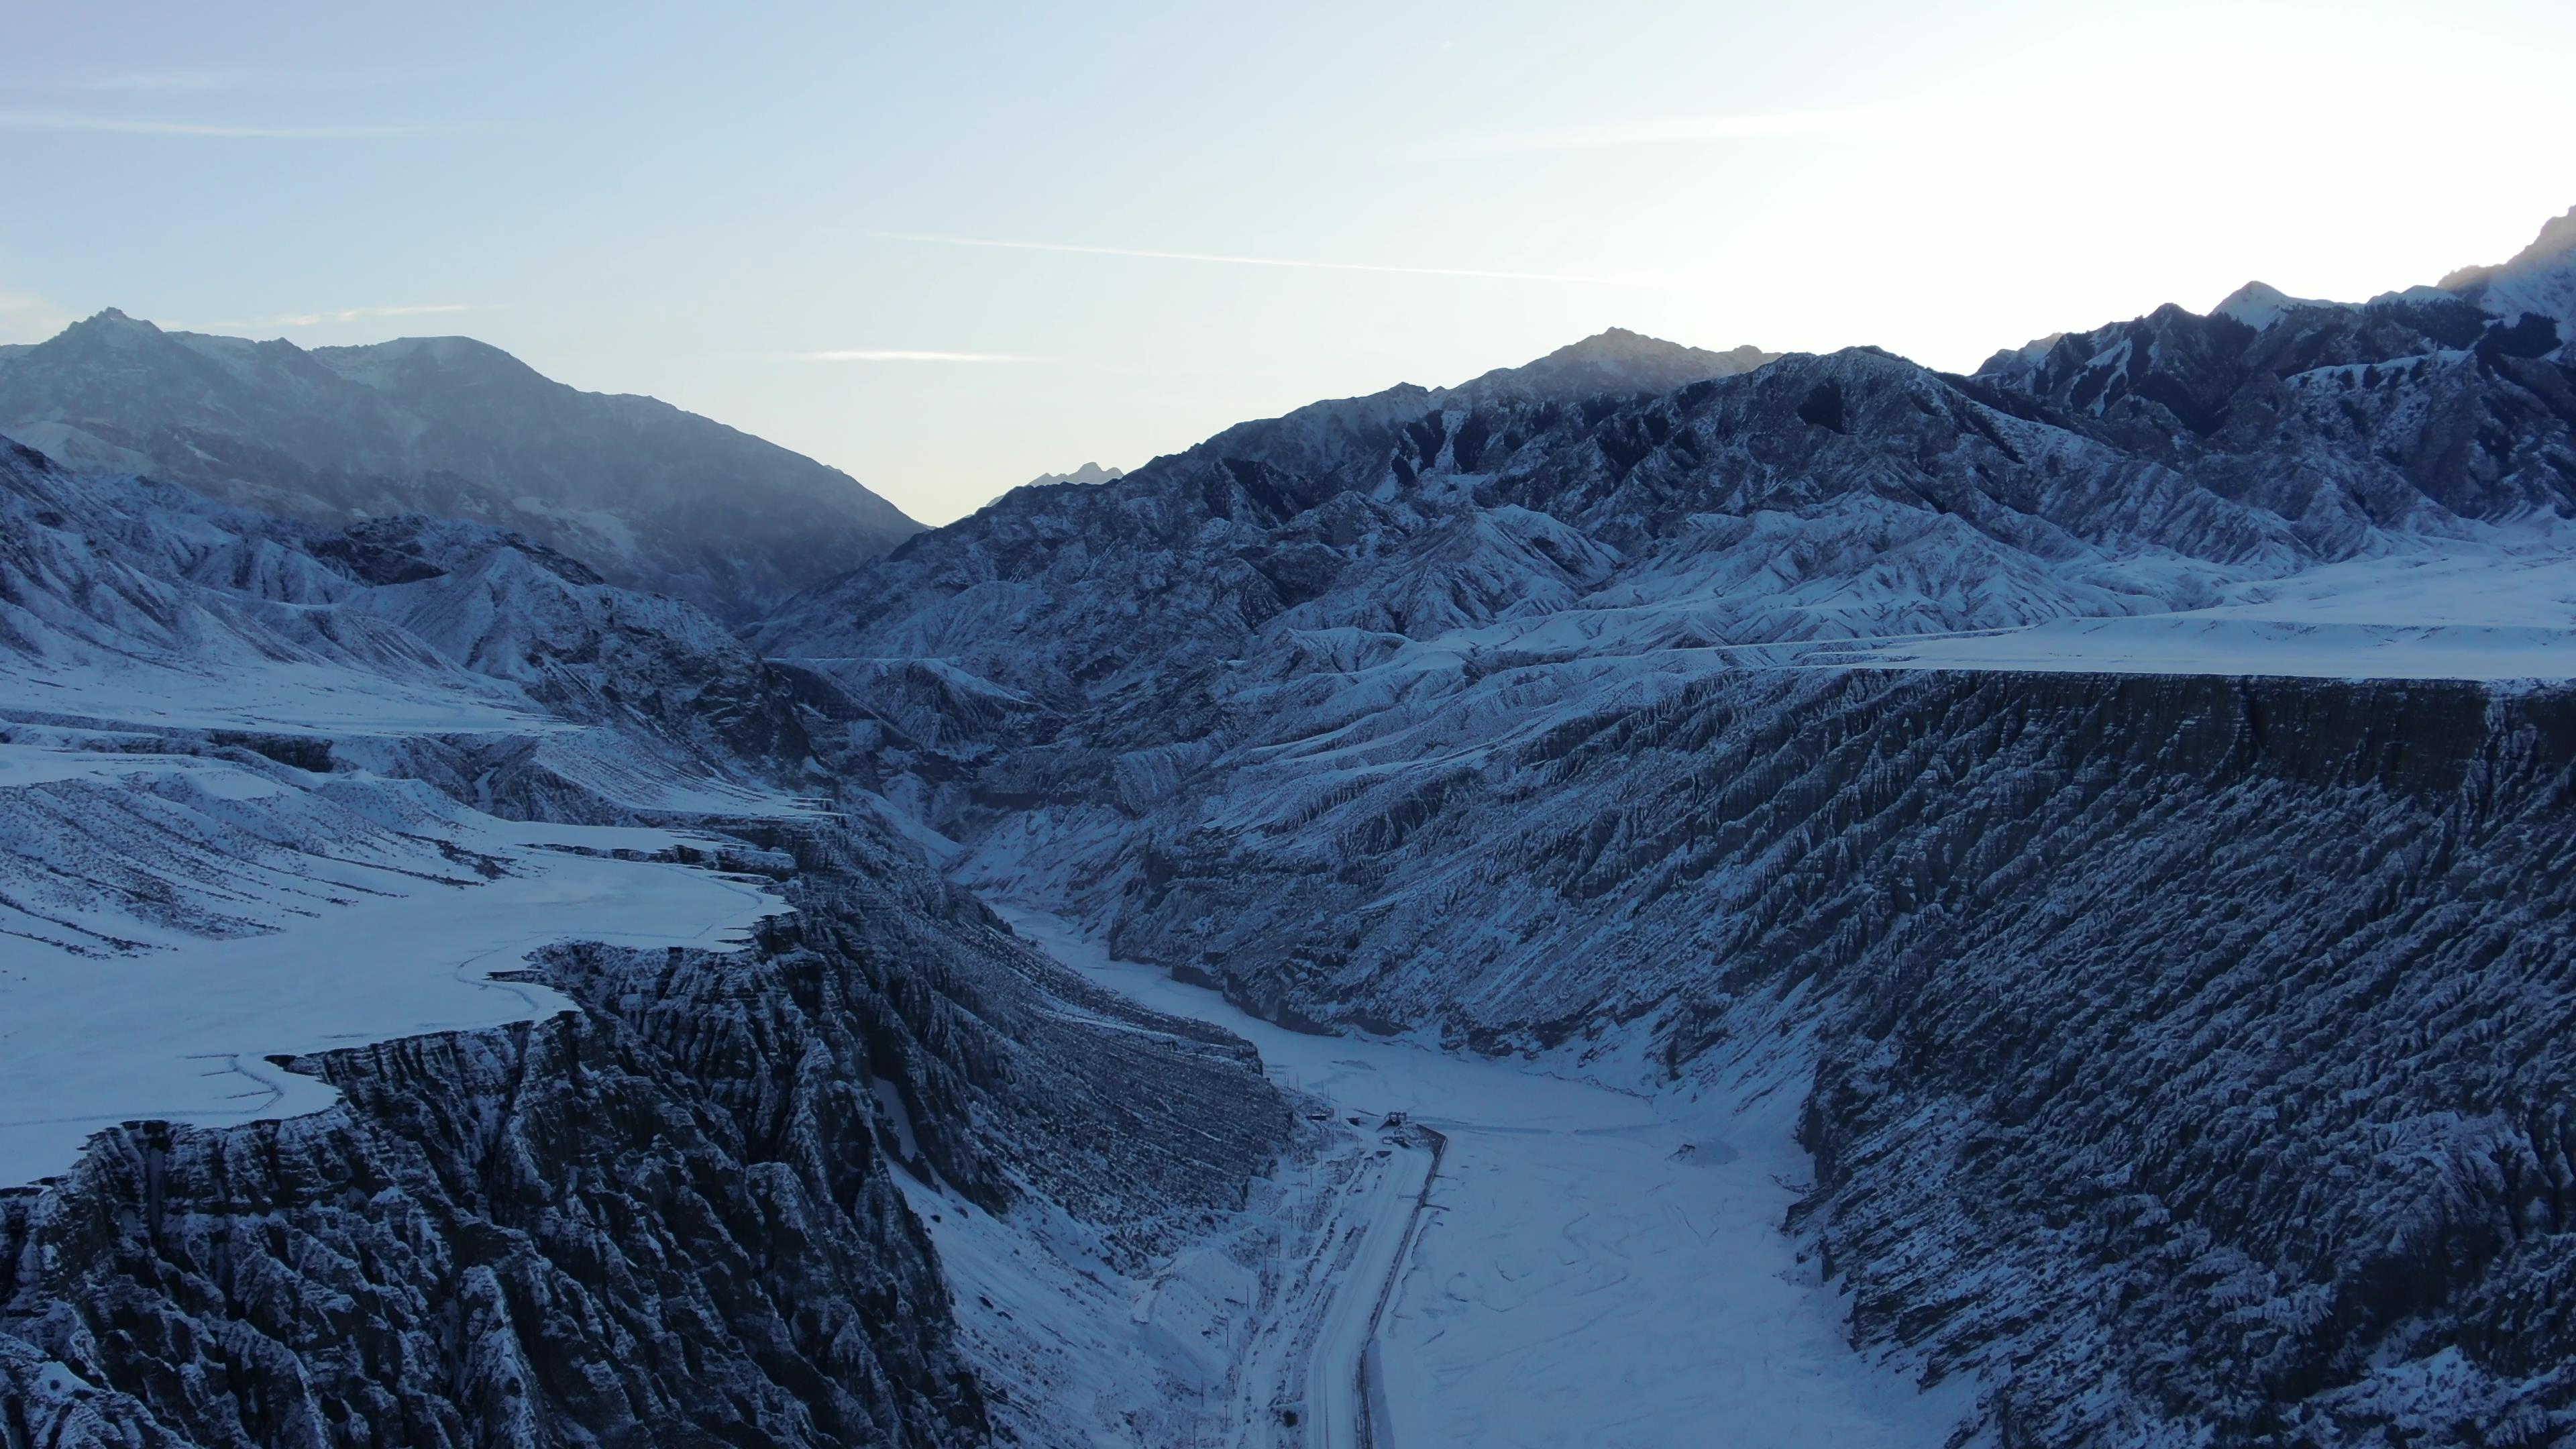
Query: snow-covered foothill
[[2457, 611]]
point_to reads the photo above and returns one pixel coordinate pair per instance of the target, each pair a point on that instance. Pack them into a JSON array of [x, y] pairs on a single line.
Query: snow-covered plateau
[[1657, 897], [363, 912]]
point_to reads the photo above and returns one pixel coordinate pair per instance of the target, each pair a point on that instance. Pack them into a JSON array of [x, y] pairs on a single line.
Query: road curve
[[1378, 1214]]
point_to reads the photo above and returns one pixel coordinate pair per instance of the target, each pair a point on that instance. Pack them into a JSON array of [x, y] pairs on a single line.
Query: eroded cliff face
[[2244, 1083], [666, 1218], [2189, 1054], [534, 1236]]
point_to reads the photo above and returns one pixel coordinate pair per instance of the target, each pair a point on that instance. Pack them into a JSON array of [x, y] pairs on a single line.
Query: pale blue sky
[[728, 210]]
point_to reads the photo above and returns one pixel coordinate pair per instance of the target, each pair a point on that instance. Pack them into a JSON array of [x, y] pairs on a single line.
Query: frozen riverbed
[[1595, 1267]]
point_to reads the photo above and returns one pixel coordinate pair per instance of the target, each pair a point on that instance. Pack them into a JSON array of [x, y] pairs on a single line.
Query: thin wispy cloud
[[182, 81], [1228, 259], [171, 80], [1665, 131], [905, 354], [133, 126], [360, 314], [327, 318]]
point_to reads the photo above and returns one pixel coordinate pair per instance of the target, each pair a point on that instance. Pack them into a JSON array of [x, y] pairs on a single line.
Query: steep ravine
[[2191, 1055]]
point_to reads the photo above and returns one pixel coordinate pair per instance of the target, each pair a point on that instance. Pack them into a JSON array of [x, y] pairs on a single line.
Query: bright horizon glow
[[1042, 235]]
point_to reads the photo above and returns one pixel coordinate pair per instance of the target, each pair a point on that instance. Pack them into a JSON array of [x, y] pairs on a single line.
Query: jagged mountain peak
[[2557, 238], [114, 327], [1612, 360], [2260, 304], [109, 327], [1620, 344]]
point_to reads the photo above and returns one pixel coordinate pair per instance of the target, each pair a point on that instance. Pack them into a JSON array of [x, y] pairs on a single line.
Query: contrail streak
[[123, 126], [897, 354], [1242, 261]]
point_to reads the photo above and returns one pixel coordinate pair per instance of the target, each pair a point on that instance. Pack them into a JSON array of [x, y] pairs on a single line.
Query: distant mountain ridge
[[654, 497], [1694, 497], [1087, 473]]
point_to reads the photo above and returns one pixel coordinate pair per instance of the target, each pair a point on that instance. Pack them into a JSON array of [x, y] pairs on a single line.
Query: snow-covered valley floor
[[1595, 1267]]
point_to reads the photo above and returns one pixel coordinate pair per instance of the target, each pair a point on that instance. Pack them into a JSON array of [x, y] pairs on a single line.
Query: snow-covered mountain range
[[2011, 908], [1774, 722], [2172, 463], [652, 497]]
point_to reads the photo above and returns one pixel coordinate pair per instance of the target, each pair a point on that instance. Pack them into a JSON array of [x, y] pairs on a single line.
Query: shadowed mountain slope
[[653, 497]]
